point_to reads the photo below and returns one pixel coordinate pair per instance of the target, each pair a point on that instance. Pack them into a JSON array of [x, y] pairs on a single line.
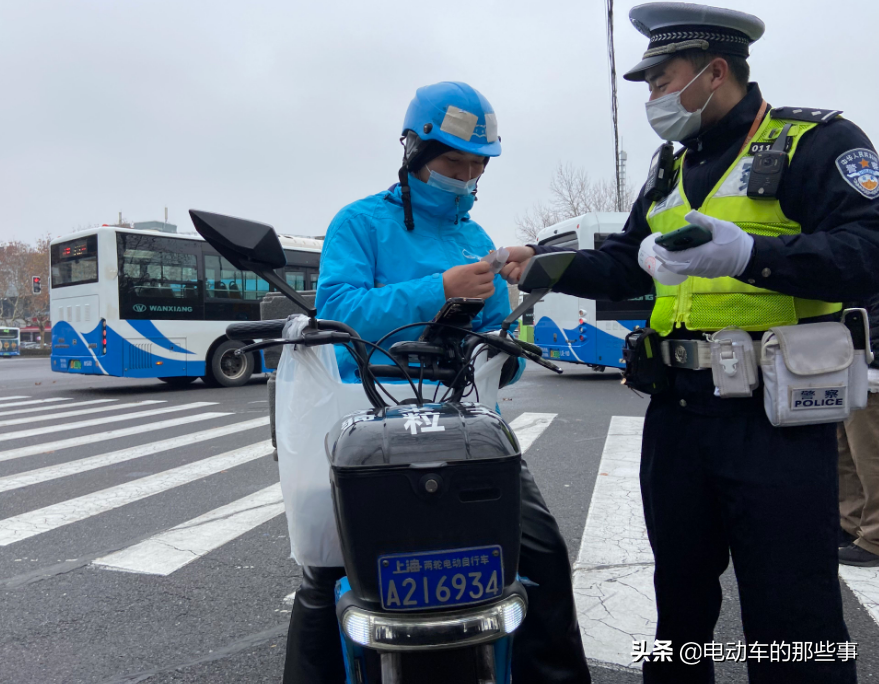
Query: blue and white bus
[[586, 331], [148, 304], [10, 341]]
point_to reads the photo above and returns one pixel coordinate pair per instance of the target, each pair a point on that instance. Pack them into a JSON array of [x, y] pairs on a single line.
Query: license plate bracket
[[439, 579]]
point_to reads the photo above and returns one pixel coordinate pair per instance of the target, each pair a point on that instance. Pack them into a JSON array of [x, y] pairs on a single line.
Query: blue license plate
[[436, 579]]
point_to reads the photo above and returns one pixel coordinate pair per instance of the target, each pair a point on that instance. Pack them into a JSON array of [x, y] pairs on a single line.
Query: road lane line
[[21, 434], [78, 412], [42, 520], [32, 401], [171, 550], [54, 408], [613, 574], [529, 426], [82, 465], [20, 396], [864, 583], [48, 447]]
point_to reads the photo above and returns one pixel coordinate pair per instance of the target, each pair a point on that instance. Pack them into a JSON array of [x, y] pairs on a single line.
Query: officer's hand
[[473, 280], [727, 254], [516, 263]]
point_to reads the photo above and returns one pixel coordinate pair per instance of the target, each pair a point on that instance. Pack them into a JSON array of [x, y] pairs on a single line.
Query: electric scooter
[[425, 492]]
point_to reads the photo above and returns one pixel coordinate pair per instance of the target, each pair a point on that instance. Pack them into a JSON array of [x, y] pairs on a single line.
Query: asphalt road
[[222, 616]]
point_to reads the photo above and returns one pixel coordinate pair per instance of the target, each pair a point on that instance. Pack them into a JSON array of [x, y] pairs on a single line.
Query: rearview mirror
[[541, 274], [247, 245], [545, 270]]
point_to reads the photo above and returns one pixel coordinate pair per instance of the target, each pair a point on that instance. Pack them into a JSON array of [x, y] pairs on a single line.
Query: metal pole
[[613, 101]]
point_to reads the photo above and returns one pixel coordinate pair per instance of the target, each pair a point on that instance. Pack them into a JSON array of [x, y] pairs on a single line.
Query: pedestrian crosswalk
[[95, 444], [48, 442], [92, 449]]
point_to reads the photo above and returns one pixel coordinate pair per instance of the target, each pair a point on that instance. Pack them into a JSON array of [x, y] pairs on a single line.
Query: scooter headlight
[[425, 631]]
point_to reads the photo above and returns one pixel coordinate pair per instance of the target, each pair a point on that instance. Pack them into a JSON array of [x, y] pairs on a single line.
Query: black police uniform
[[716, 477]]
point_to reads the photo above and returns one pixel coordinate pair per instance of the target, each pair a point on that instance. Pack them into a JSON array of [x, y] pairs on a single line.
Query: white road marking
[[32, 477], [289, 598], [32, 401], [613, 575], [529, 426], [79, 412], [13, 398], [171, 550], [864, 583], [21, 434], [48, 447], [42, 520], [54, 408]]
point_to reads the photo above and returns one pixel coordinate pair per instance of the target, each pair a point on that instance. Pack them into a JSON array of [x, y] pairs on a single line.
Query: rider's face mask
[[670, 119], [453, 185]]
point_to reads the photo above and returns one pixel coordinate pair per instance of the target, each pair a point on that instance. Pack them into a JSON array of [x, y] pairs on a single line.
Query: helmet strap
[[406, 193]]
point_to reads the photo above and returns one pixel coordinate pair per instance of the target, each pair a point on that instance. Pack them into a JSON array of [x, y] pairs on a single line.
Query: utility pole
[[619, 157]]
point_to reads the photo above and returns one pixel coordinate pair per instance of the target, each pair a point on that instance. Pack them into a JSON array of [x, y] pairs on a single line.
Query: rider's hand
[[473, 280], [518, 260]]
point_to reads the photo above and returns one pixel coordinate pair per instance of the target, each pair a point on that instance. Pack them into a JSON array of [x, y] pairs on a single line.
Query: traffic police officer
[[716, 477]]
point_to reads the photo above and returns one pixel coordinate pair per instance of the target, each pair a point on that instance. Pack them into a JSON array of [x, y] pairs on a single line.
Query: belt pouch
[[733, 363], [808, 375], [645, 371]]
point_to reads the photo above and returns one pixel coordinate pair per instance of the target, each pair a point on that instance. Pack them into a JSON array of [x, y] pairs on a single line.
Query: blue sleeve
[[346, 290]]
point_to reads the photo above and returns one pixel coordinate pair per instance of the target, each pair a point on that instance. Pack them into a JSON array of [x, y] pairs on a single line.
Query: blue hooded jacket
[[377, 276]]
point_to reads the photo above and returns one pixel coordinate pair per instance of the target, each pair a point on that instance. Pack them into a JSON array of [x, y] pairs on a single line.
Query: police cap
[[676, 26]]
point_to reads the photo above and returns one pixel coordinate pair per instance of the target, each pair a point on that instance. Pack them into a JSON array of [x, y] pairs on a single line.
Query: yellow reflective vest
[[715, 303]]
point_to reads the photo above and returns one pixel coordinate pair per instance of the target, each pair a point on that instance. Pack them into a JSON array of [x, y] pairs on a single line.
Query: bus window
[[295, 278], [75, 262], [230, 294], [567, 240], [158, 278]]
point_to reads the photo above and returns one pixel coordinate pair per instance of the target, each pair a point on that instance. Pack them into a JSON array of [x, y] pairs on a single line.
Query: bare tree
[[573, 193], [19, 262]]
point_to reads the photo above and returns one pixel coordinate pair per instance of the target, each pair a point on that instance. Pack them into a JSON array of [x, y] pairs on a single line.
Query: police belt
[[691, 354]]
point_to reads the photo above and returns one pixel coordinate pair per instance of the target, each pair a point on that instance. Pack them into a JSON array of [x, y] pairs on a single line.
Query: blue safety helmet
[[455, 114], [444, 116]]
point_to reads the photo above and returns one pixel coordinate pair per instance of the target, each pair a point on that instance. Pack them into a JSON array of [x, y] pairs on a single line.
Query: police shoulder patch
[[860, 169], [818, 116]]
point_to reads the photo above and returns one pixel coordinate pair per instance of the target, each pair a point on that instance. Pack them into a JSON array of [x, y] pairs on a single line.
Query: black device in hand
[[684, 238], [457, 311]]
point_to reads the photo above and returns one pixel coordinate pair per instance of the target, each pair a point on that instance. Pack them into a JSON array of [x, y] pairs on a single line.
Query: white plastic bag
[[310, 399]]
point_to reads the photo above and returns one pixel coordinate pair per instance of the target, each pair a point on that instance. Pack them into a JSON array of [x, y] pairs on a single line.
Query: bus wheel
[[228, 370], [179, 380]]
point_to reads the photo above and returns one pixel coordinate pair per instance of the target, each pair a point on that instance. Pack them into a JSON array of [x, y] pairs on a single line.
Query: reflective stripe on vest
[[715, 303]]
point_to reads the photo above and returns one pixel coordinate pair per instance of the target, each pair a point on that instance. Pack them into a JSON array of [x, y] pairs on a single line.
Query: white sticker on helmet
[[459, 123], [490, 127]]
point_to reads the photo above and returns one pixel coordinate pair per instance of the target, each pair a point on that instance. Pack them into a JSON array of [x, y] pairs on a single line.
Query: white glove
[[648, 261], [727, 254]]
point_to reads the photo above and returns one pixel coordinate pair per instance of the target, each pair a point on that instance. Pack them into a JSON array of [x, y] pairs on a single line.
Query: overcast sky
[[286, 111]]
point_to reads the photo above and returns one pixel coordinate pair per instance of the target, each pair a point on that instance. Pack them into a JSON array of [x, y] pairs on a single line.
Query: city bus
[[149, 304], [586, 331], [10, 342]]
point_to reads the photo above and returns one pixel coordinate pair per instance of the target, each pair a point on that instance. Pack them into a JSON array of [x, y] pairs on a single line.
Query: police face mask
[[670, 119], [453, 185]]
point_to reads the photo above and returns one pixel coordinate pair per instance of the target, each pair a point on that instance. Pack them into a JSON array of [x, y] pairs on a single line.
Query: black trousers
[[717, 478], [547, 647]]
